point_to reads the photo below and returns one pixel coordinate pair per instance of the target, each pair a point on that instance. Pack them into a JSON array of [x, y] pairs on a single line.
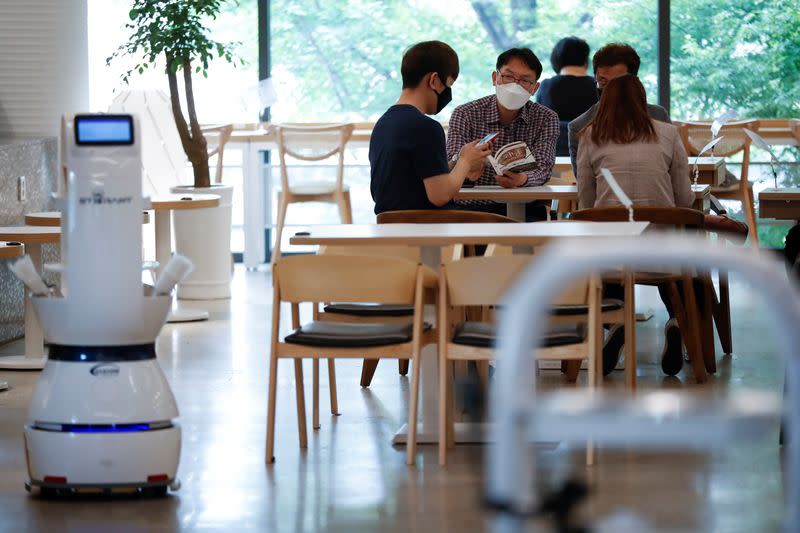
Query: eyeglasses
[[528, 85]]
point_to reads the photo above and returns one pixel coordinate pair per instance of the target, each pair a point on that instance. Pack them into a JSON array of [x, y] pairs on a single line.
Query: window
[[229, 94]]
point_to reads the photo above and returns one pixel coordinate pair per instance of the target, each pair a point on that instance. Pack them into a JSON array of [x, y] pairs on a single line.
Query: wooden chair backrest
[[409, 253], [676, 217], [312, 143], [217, 137], [440, 216], [485, 280], [331, 278], [794, 125], [696, 135]]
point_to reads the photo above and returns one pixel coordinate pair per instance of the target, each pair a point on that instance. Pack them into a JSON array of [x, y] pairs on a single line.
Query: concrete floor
[[351, 478]]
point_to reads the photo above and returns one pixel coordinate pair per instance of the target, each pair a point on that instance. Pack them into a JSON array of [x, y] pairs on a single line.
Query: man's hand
[[473, 155], [511, 180]]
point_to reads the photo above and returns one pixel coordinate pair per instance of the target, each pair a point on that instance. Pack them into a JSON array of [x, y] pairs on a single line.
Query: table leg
[[428, 430], [254, 206], [516, 210], [163, 230], [34, 358]]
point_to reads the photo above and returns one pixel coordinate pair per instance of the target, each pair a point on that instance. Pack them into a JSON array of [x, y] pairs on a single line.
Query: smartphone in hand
[[488, 138]]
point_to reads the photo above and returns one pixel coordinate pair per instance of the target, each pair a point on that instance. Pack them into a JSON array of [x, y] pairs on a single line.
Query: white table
[[163, 205], [430, 238], [515, 199], [7, 251], [32, 237]]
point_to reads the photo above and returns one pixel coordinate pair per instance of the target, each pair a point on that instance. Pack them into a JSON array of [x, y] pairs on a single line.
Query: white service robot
[[102, 415]]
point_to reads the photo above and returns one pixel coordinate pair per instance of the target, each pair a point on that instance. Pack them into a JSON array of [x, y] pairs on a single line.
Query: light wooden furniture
[[696, 135], [358, 279], [687, 312], [794, 127], [217, 137], [163, 205], [311, 143], [515, 199], [359, 313], [429, 216], [53, 218], [32, 237], [430, 238], [11, 249], [472, 341], [782, 204]]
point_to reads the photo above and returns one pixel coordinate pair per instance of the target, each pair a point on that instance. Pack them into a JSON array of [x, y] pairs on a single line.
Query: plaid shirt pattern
[[536, 125]]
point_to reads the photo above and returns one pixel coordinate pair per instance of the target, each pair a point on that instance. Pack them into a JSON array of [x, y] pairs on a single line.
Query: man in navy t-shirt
[[407, 153]]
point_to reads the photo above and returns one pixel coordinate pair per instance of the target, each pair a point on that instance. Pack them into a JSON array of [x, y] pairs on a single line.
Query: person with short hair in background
[[611, 61], [510, 113], [572, 91], [408, 161]]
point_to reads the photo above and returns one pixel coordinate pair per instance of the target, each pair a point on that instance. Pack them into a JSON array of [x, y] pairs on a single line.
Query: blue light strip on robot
[[102, 428]]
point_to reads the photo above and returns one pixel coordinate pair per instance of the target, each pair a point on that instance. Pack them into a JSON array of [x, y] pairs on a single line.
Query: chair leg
[[315, 393], [707, 324], [368, 370], [402, 366], [722, 313], [345, 210], [282, 207], [301, 402], [272, 395], [750, 214], [687, 321], [630, 333], [444, 420], [413, 407], [573, 369], [332, 386]]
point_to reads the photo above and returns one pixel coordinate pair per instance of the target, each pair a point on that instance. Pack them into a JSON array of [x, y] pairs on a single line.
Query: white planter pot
[[204, 236]]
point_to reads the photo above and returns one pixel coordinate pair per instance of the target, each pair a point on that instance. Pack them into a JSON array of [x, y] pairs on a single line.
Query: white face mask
[[511, 95]]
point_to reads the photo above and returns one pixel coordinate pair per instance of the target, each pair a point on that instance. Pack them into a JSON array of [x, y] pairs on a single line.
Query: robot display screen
[[105, 130]]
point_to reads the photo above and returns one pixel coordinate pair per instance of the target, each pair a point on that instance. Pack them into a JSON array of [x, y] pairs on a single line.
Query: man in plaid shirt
[[511, 113]]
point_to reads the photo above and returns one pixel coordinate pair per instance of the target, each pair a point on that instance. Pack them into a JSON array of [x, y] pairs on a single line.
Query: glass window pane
[[341, 60]]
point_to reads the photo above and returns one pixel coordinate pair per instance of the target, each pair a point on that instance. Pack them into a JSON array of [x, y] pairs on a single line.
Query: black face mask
[[443, 98]]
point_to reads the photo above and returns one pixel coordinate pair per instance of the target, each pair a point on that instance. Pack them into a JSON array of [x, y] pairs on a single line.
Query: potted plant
[[173, 30]]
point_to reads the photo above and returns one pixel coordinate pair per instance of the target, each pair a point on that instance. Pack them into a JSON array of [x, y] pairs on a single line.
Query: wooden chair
[[217, 137], [355, 312], [358, 279], [696, 135], [794, 126], [429, 216], [311, 143], [461, 340], [688, 316]]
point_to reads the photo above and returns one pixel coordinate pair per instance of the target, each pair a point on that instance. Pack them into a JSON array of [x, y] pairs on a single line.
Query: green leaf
[[132, 13]]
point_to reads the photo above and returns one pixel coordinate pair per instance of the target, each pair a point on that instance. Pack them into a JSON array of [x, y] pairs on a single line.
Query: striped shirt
[[535, 125]]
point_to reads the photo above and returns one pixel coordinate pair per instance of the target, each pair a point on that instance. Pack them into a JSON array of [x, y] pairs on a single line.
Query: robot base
[[71, 463]]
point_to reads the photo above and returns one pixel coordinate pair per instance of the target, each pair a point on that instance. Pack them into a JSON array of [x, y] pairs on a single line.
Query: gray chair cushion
[[484, 335], [341, 335], [370, 310], [583, 309]]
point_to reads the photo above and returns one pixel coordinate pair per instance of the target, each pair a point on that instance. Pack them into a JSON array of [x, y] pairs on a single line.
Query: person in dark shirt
[[407, 155], [571, 91]]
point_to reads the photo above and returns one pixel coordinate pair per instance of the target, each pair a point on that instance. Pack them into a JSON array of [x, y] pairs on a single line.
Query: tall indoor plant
[[175, 31]]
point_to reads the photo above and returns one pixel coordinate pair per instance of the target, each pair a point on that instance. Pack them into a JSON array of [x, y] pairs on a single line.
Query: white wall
[[44, 68]]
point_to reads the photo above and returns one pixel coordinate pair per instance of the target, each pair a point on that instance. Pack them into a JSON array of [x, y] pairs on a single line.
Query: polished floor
[[351, 478]]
